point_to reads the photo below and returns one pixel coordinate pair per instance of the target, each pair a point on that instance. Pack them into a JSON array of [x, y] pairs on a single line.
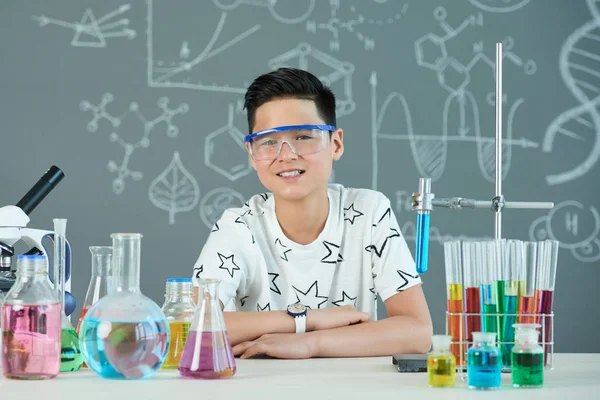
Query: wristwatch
[[298, 312]]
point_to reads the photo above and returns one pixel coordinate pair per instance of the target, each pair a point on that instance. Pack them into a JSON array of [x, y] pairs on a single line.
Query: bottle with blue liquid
[[125, 335], [484, 362]]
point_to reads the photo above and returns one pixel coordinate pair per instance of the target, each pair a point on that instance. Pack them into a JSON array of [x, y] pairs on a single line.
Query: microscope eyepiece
[[41, 189]]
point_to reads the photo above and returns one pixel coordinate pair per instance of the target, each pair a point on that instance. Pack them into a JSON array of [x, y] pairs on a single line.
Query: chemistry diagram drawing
[[225, 151], [460, 120], [579, 64], [353, 26], [146, 127], [174, 190], [215, 202], [499, 6], [339, 78], [177, 53], [305, 8], [575, 226], [91, 31]]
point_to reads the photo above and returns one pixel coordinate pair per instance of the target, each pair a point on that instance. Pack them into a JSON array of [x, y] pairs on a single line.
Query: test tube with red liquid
[[471, 254], [453, 265], [544, 293], [527, 283]]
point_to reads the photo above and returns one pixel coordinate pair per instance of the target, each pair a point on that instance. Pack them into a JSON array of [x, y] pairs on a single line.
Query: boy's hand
[[278, 345], [334, 317]]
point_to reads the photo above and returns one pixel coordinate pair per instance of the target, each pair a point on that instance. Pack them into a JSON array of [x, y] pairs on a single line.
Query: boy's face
[[316, 167]]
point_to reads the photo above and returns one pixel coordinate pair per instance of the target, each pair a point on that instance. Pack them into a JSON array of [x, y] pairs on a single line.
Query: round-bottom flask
[[125, 335]]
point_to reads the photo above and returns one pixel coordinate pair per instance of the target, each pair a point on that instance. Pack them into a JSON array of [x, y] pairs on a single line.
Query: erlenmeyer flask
[[100, 281], [125, 335], [70, 354], [207, 353]]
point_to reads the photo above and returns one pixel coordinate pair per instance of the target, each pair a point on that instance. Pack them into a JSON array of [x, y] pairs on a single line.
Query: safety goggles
[[301, 139]]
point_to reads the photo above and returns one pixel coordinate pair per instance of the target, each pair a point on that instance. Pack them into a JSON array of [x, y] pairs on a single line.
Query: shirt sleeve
[[227, 255], [393, 266]]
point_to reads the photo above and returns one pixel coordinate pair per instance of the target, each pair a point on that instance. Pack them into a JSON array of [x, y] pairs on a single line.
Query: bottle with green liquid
[[527, 357], [70, 353]]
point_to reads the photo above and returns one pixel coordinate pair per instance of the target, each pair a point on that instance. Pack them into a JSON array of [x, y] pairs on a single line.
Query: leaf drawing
[[175, 189]]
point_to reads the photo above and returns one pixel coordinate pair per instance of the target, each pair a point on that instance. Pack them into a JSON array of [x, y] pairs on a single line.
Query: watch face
[[296, 308]]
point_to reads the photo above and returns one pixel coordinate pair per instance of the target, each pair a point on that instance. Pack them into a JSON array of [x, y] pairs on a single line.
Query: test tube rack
[[424, 201]]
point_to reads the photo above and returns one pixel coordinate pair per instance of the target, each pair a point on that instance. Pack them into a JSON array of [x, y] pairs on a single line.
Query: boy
[[306, 262]]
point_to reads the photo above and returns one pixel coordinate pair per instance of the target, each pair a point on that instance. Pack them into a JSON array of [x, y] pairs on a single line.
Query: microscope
[[13, 229]]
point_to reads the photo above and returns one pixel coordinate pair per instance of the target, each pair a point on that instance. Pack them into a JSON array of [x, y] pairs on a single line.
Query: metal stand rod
[[498, 226]]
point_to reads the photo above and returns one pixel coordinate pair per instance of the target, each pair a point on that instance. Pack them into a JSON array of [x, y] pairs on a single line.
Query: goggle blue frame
[[289, 128]]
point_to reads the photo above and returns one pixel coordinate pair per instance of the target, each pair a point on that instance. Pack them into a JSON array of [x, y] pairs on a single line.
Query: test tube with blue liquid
[[489, 273], [422, 228]]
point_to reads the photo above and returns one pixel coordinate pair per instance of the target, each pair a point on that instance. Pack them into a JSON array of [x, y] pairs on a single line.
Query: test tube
[[455, 328], [508, 289], [489, 275], [471, 257], [528, 282], [544, 293]]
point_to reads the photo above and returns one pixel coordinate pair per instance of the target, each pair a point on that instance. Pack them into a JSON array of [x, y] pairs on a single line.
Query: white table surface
[[573, 376]]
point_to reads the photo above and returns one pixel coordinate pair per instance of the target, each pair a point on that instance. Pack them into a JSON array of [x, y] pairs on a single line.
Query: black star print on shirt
[[387, 213], [272, 284], [228, 264], [393, 233], [243, 300], [311, 298], [281, 249], [265, 308], [215, 228], [345, 301], [403, 276], [265, 196], [350, 214], [239, 219], [199, 270], [330, 258]]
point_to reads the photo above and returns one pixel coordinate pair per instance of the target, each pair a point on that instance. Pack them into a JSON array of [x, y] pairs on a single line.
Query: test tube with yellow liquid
[[455, 324]]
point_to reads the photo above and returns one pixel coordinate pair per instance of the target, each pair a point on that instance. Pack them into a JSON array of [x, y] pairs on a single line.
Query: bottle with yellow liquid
[[441, 363], [179, 309]]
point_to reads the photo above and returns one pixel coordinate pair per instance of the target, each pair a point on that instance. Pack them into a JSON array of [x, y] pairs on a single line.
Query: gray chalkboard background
[[119, 94]]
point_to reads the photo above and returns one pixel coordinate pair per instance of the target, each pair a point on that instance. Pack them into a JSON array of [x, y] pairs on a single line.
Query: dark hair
[[289, 83]]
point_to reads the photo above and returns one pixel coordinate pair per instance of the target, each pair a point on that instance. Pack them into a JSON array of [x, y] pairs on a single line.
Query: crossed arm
[[335, 332]]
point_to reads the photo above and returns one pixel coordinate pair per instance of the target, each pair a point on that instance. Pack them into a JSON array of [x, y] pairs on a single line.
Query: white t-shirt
[[360, 254]]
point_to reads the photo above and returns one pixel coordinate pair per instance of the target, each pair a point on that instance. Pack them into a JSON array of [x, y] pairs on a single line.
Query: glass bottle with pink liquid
[[207, 353], [31, 323]]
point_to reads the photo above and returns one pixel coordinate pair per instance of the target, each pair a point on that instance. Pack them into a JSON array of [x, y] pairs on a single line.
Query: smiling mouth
[[288, 174]]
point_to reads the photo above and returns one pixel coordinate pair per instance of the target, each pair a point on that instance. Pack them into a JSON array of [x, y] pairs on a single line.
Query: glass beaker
[[207, 353], [70, 354], [125, 335], [179, 308], [441, 363], [484, 362], [100, 281], [31, 323]]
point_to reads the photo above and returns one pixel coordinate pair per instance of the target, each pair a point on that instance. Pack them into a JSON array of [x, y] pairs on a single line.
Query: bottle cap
[[441, 342], [180, 280], [488, 337], [527, 333]]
